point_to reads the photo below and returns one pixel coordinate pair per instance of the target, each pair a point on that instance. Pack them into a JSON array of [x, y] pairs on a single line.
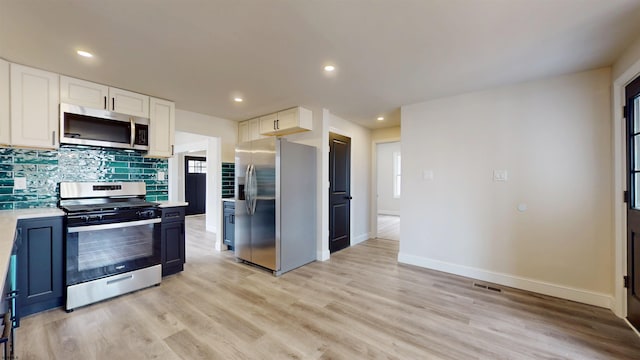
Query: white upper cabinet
[[128, 102], [34, 107], [97, 96], [254, 129], [243, 131], [268, 123], [283, 122], [286, 122], [83, 93], [5, 119], [161, 127], [249, 130]]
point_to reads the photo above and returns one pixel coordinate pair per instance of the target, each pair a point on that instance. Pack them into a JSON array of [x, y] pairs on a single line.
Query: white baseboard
[[389, 212], [322, 255], [631, 326], [541, 287], [360, 238]]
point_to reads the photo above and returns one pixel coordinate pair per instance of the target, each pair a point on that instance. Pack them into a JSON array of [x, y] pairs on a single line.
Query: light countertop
[[229, 199], [8, 222], [166, 204]]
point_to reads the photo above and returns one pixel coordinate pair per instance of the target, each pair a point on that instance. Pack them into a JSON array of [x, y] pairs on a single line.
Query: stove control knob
[[146, 214]]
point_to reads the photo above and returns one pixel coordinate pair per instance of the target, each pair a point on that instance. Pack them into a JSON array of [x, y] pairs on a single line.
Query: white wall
[[387, 203], [185, 144], [318, 138], [626, 60], [553, 136], [386, 134], [379, 136], [196, 123], [216, 136], [360, 175]]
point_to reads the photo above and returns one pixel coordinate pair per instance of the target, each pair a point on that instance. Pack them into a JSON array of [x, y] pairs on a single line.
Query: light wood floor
[[361, 304], [388, 227]]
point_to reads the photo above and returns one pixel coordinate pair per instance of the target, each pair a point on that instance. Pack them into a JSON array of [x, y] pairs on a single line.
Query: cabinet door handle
[[105, 103], [274, 124], [278, 124], [233, 219], [53, 138], [113, 103]]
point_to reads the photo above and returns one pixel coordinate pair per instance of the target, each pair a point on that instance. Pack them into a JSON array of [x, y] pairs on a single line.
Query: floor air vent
[[487, 287]]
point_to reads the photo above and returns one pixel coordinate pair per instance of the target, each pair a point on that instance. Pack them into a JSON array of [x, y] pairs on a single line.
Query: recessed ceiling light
[[380, 118], [237, 99], [329, 68], [84, 54]]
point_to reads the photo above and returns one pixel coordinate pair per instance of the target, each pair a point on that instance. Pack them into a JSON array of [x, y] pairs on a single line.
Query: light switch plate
[[161, 175], [500, 175], [20, 183]]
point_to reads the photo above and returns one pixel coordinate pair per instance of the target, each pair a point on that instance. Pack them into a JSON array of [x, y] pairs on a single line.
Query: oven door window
[[107, 250]]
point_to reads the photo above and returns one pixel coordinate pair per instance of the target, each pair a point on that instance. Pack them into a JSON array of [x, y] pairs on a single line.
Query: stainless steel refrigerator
[[275, 216]]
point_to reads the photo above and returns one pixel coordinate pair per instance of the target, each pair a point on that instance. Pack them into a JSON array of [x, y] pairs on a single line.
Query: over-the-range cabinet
[[275, 209]]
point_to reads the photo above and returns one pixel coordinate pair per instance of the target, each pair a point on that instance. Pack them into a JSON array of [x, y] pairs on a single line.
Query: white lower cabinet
[[34, 107]]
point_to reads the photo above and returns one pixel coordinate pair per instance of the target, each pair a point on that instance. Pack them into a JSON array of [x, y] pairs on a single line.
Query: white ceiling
[[388, 53]]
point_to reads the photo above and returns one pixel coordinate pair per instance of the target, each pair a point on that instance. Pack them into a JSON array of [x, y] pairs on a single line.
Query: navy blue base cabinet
[[39, 271], [228, 230], [172, 240]]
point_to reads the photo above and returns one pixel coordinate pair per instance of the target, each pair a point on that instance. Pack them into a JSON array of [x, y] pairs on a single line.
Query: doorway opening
[[388, 190]]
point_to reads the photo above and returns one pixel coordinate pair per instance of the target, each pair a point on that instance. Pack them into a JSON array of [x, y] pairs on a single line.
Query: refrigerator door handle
[[247, 189], [254, 189]]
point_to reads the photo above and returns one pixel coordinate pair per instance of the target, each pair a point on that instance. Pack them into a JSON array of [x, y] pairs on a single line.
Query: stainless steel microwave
[[86, 126]]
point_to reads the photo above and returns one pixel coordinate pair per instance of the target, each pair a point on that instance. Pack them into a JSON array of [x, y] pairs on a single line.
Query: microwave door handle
[[133, 131]]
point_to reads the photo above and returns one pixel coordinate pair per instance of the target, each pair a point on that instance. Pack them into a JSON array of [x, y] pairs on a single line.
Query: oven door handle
[[77, 229]]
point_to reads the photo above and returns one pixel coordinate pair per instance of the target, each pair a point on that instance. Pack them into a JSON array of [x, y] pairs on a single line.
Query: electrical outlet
[[20, 183], [500, 175], [161, 175]]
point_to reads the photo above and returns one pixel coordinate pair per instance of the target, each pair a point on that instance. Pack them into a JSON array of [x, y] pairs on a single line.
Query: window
[[397, 174], [197, 166]]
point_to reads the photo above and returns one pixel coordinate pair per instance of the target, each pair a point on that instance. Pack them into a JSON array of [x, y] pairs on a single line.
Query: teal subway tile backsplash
[[45, 169], [228, 179]]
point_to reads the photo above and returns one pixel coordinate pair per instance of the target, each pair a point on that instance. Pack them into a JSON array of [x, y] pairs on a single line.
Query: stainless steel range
[[112, 240]]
